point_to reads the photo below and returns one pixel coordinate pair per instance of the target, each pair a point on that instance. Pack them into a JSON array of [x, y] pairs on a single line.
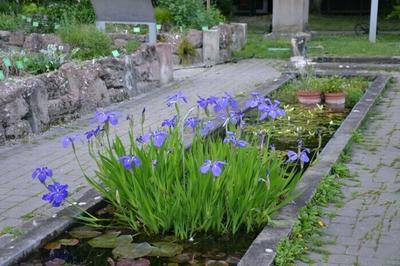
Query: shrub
[[163, 15], [191, 13], [354, 90], [186, 51], [11, 22], [88, 39]]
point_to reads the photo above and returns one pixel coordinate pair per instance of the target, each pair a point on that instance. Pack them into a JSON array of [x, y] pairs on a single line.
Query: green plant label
[[26, 60], [56, 26], [158, 26], [221, 23], [19, 64], [28, 19], [1, 75], [204, 28], [115, 53], [180, 28], [23, 17], [7, 62], [136, 29], [35, 24]]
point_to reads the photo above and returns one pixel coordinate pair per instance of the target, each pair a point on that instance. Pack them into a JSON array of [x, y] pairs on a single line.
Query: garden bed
[[257, 253]]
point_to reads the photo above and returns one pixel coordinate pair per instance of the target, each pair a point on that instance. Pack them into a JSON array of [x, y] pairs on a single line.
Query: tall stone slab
[[290, 16], [211, 46]]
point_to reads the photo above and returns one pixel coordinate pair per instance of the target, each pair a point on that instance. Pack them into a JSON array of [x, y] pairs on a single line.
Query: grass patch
[[132, 46], [341, 45], [11, 230], [258, 47]]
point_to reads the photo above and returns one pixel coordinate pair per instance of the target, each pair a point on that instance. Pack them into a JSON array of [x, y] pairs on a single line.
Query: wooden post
[[208, 4], [373, 21]]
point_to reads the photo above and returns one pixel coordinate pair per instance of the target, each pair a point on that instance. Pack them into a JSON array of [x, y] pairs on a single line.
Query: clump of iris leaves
[[157, 185]]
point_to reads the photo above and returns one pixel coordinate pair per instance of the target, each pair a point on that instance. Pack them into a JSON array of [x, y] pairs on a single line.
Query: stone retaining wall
[[230, 37], [32, 104]]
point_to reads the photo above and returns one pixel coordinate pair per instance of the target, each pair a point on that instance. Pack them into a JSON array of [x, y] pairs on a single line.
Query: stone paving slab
[[366, 230], [20, 196]]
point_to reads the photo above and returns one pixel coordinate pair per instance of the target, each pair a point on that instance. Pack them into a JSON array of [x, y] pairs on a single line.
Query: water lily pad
[[110, 240], [84, 232], [52, 245], [132, 250], [166, 249], [69, 242]]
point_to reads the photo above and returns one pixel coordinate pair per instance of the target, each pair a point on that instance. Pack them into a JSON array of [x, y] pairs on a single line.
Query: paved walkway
[[366, 230], [20, 196]]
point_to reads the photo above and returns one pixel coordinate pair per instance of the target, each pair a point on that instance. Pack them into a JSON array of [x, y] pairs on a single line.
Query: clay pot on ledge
[[335, 100], [309, 97]]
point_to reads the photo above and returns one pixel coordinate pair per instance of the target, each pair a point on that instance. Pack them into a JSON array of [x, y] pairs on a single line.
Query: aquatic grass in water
[[221, 186]]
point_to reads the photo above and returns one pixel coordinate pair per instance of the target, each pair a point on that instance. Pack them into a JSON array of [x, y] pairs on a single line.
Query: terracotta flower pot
[[309, 97], [335, 100]]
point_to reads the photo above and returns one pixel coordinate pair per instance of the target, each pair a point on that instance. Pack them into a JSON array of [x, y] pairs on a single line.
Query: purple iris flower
[[231, 137], [207, 128], [255, 101], [221, 104], [105, 117], [293, 156], [232, 102], [175, 98], [203, 103], [169, 122], [56, 195], [129, 161], [93, 133], [144, 138], [236, 117], [69, 140], [42, 173], [159, 138], [215, 167], [271, 109], [192, 122]]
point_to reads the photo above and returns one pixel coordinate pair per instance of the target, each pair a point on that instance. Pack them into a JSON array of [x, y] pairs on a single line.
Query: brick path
[[19, 195], [366, 230]]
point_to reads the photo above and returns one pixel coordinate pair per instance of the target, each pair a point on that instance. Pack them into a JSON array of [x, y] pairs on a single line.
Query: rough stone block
[[239, 36], [17, 39], [290, 16], [164, 52], [195, 37], [211, 47]]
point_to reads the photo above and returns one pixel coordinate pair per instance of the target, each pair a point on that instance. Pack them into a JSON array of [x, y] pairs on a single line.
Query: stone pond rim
[[257, 254]]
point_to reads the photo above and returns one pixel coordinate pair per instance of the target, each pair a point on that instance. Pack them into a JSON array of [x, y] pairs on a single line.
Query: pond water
[[300, 122]]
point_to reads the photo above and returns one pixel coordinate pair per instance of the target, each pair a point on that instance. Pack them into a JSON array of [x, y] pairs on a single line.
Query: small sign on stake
[[35, 24], [2, 75], [136, 29], [158, 26], [56, 26], [115, 53], [28, 19], [204, 28], [7, 62]]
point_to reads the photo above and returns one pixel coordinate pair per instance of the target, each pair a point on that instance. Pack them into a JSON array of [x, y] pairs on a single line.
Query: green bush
[[191, 13], [88, 39], [185, 51], [11, 22], [163, 15]]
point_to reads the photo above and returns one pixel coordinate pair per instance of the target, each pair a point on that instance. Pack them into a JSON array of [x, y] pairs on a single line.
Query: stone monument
[[126, 12], [290, 16]]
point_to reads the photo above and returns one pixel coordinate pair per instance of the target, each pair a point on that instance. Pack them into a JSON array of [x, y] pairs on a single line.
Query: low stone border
[[17, 249], [263, 249], [358, 59]]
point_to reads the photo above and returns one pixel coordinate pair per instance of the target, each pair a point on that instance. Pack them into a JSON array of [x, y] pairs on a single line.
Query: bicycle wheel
[[361, 29]]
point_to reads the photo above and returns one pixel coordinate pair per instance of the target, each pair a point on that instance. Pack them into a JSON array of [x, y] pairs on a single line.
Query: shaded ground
[[20, 196], [366, 230]]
